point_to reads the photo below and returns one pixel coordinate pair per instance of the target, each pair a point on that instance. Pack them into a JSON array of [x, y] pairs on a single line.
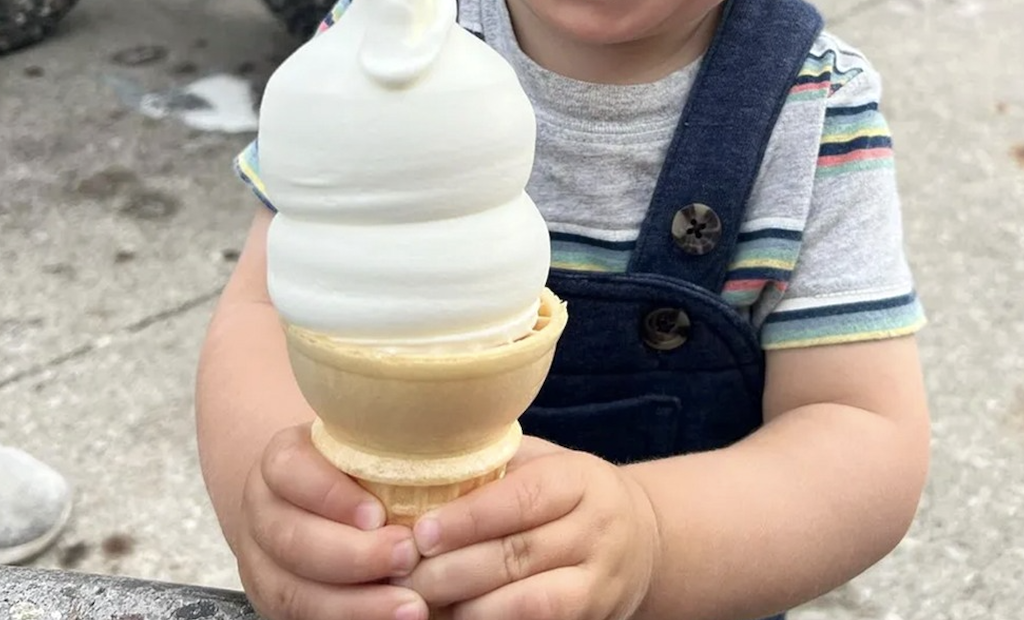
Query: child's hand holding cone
[[313, 545], [563, 535]]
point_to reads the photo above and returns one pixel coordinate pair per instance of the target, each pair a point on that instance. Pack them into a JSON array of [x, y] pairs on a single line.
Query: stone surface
[[117, 232], [34, 594]]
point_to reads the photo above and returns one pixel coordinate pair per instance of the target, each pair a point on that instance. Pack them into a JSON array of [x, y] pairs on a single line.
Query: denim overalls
[[653, 363]]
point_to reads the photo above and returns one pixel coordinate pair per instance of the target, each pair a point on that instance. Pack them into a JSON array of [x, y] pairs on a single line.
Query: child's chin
[[613, 22]]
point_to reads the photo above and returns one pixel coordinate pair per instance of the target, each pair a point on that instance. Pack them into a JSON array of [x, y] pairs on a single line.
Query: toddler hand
[[312, 544], [564, 535]]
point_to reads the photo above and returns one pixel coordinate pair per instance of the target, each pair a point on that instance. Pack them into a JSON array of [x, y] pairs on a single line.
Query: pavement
[[118, 228]]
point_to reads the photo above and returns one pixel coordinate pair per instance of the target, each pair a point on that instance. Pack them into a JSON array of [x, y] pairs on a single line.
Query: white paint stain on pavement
[[218, 102], [231, 107]]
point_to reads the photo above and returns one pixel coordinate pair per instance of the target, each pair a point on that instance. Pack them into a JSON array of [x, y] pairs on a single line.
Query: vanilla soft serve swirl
[[396, 148]]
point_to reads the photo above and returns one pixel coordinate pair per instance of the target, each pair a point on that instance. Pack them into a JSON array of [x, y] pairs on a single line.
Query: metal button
[[696, 229], [666, 329]]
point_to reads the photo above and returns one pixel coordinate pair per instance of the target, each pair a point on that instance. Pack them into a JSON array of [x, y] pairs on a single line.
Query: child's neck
[[634, 62]]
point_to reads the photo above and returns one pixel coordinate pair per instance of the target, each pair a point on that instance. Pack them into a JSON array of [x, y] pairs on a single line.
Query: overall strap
[[692, 225]]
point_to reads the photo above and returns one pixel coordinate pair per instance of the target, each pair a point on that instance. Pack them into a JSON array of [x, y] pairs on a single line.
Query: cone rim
[[418, 472], [551, 322]]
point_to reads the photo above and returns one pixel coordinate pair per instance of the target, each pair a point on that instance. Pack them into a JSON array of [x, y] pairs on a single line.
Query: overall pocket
[[622, 431]]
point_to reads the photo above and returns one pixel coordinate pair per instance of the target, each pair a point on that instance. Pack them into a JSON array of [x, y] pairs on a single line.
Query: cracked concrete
[[27, 374], [117, 231]]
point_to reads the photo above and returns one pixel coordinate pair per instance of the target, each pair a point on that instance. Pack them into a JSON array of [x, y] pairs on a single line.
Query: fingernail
[[411, 611], [428, 534], [369, 516], [404, 557]]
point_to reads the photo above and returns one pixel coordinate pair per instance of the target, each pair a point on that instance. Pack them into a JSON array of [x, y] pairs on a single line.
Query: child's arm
[[308, 539], [245, 392], [828, 487]]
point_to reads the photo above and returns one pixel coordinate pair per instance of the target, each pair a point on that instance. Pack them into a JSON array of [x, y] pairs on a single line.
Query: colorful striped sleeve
[[851, 280], [854, 138], [247, 163]]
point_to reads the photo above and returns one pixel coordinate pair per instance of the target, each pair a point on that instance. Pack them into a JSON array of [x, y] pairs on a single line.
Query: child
[[736, 408]]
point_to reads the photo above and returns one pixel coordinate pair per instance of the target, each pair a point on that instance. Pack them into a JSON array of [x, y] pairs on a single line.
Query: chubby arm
[[824, 490], [245, 391], [309, 540]]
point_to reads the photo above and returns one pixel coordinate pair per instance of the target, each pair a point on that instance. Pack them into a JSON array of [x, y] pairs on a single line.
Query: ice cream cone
[[419, 430]]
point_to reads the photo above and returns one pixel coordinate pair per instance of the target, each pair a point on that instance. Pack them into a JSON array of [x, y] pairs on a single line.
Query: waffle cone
[[413, 486], [406, 503], [420, 430]]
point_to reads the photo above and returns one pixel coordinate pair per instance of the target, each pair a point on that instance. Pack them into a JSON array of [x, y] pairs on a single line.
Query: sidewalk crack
[[102, 342]]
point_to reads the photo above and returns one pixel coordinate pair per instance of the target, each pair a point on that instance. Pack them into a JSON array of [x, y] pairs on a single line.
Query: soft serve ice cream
[[396, 148]]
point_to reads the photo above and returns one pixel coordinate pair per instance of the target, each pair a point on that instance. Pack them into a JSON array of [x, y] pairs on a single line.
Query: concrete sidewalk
[[117, 232]]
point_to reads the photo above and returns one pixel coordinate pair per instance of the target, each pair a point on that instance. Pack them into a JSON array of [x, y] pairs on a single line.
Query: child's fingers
[[276, 593], [561, 594], [296, 472], [319, 549], [473, 571], [526, 498]]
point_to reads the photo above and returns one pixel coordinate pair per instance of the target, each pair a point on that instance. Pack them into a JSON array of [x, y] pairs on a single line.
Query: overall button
[[666, 329], [696, 229]]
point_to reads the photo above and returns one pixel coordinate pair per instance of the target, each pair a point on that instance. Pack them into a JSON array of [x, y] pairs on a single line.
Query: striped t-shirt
[[820, 257]]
